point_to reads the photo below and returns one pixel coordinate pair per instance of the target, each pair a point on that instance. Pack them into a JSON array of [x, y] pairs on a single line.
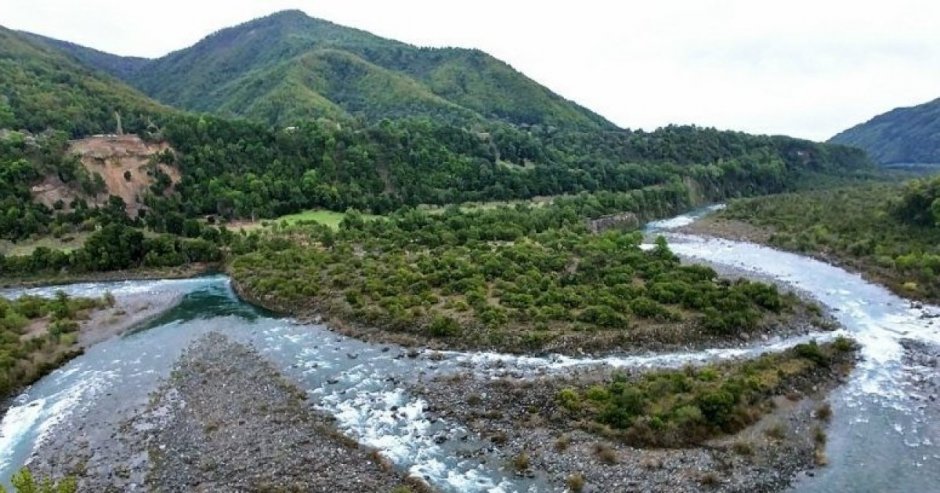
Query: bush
[[23, 482], [569, 399], [812, 352], [442, 326], [575, 482]]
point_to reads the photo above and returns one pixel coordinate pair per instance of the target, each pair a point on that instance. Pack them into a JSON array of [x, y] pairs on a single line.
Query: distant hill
[[122, 67], [42, 88], [289, 66], [415, 126], [902, 135]]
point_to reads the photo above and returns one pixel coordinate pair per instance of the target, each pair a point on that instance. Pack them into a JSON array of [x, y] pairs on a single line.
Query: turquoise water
[[880, 439]]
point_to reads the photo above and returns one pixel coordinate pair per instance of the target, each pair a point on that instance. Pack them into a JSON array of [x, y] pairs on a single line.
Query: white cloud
[[804, 68]]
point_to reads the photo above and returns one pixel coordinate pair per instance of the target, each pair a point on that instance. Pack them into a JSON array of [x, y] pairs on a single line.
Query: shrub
[[521, 462], [605, 453], [575, 482], [742, 448], [24, 482], [778, 431], [819, 436], [709, 479], [562, 443], [812, 352], [442, 326]]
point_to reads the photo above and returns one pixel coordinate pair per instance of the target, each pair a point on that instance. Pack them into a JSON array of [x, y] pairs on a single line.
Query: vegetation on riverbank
[[739, 425], [676, 408], [522, 279], [119, 247], [39, 334], [24, 482], [889, 232]]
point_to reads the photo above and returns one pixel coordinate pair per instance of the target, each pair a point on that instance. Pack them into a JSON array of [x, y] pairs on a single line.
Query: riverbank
[[732, 229], [884, 232], [110, 319], [127, 312], [531, 431], [181, 272], [225, 420]]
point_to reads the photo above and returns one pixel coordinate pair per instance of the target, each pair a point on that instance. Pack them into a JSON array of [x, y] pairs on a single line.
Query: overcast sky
[[807, 68]]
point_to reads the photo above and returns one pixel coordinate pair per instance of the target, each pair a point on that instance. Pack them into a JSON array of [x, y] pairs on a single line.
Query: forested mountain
[[121, 67], [238, 168], [42, 88], [288, 66], [902, 135]]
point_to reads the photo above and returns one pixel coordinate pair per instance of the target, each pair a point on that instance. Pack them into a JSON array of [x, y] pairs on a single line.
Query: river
[[882, 436]]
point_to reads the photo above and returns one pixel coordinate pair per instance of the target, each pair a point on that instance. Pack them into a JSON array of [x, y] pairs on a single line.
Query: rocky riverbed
[[225, 420], [126, 313], [923, 363], [529, 433]]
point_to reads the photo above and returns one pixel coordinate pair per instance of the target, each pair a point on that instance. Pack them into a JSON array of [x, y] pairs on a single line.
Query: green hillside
[[334, 84], [118, 66], [42, 88], [288, 66], [902, 135], [399, 143]]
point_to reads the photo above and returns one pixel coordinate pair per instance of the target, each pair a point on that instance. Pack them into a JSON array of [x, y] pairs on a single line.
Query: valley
[[298, 256], [885, 231], [421, 408]]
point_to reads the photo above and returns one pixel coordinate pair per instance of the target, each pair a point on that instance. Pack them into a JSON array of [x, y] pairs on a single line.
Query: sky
[[807, 68]]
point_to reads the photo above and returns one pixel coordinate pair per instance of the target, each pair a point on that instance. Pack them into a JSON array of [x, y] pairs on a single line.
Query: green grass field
[[25, 247], [325, 217]]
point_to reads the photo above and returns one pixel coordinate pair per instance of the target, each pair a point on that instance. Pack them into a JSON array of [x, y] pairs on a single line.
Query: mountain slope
[[42, 88], [331, 83], [238, 168], [902, 135], [288, 65], [118, 66]]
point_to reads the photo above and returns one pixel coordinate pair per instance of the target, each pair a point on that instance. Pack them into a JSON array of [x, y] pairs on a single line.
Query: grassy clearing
[[324, 217], [321, 216], [25, 247]]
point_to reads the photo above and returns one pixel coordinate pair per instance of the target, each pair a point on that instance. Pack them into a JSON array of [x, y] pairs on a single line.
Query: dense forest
[[900, 136], [888, 231], [288, 66], [237, 169], [241, 169], [265, 173], [41, 89]]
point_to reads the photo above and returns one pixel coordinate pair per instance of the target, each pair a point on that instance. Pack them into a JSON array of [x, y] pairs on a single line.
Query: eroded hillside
[[128, 168]]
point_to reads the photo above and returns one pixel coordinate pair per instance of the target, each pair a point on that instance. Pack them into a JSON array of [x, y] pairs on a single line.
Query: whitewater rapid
[[879, 437]]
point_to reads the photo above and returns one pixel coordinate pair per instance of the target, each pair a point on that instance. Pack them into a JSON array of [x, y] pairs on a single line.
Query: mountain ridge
[[42, 87], [460, 85], [904, 135]]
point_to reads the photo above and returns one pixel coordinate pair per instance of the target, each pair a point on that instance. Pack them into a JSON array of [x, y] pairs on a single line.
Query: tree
[[23, 482], [114, 247]]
